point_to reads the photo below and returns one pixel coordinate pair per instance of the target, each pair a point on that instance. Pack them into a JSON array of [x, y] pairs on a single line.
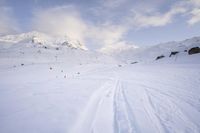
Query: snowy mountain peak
[[39, 38]]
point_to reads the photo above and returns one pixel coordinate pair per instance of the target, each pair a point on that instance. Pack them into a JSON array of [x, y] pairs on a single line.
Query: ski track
[[174, 112], [98, 108], [108, 111], [111, 109], [124, 119], [150, 111]]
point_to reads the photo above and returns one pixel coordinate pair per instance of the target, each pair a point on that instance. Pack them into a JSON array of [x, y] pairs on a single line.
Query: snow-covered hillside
[[149, 54], [50, 87], [42, 39], [37, 48]]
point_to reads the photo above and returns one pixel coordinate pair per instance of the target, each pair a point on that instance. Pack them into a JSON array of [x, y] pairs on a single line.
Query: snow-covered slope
[[34, 47], [58, 89], [149, 54]]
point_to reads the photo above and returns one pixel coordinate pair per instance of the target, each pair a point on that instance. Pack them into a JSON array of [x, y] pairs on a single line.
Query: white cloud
[[107, 34], [8, 24], [194, 11], [195, 2], [154, 19], [117, 47], [112, 3], [195, 16], [110, 37], [60, 21]]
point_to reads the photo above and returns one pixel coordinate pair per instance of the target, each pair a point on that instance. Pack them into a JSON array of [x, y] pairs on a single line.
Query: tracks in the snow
[[174, 111], [108, 111], [123, 113], [111, 109]]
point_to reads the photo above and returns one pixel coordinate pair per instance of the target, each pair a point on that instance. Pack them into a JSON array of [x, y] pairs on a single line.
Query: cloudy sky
[[103, 24]]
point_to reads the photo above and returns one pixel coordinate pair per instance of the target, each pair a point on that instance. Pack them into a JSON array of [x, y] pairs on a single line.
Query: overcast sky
[[104, 23]]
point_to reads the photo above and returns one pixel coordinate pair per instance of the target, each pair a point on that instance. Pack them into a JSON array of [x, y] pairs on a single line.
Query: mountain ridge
[[40, 38]]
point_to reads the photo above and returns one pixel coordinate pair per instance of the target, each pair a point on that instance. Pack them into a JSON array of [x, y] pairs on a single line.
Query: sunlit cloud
[[154, 19], [117, 47], [67, 21], [194, 12], [60, 21], [107, 33], [195, 17]]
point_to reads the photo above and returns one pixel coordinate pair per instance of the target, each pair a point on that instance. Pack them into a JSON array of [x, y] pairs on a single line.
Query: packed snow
[[47, 87]]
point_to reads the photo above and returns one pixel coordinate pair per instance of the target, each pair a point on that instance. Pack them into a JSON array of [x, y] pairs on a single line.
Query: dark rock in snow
[[160, 57], [173, 53], [194, 50], [134, 62]]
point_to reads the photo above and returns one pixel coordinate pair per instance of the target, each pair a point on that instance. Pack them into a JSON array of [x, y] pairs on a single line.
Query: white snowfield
[[82, 92]]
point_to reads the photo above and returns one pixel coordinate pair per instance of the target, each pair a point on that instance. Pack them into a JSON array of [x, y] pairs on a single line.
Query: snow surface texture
[[67, 90]]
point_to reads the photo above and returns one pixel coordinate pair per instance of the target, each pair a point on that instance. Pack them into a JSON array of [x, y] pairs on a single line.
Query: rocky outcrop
[[194, 50]]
